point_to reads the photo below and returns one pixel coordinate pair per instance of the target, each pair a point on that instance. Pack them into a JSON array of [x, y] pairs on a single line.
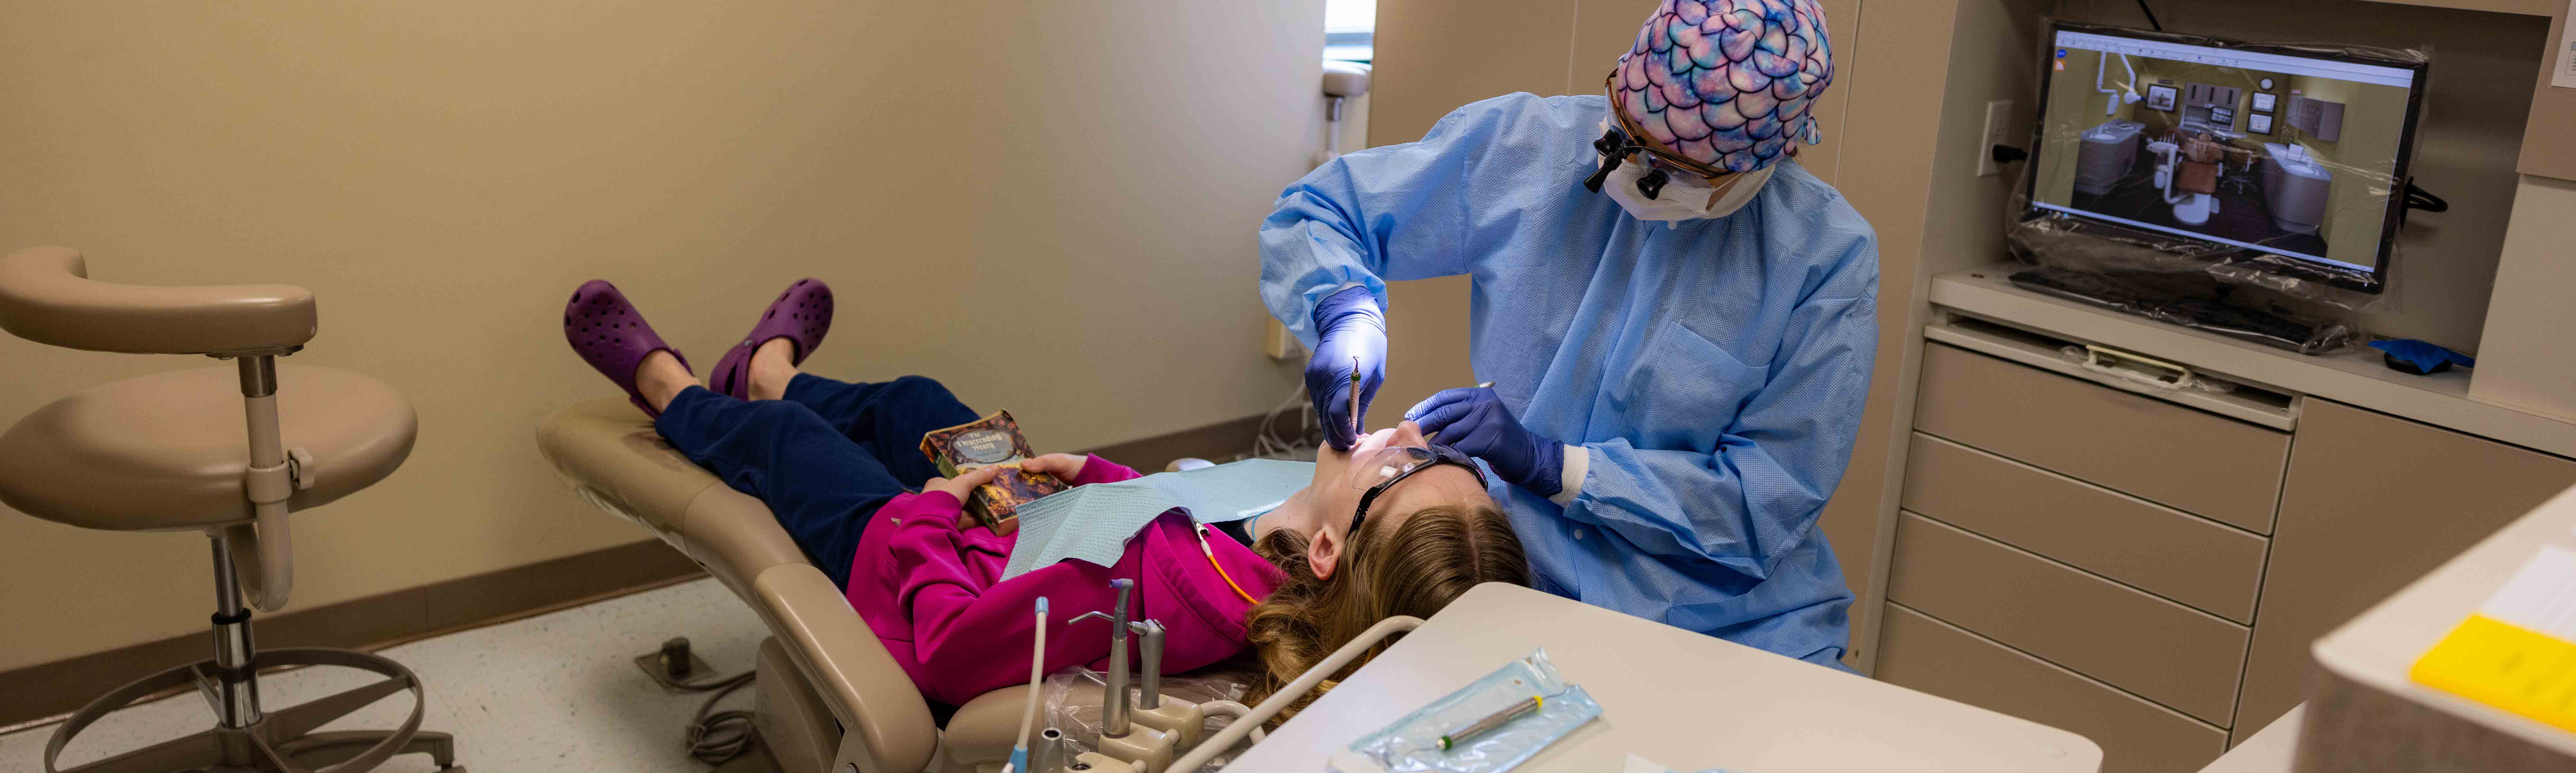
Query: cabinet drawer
[[2163, 551], [2136, 736], [2165, 453], [2169, 653]]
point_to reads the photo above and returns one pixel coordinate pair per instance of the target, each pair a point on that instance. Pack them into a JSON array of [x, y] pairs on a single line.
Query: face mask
[[1684, 196]]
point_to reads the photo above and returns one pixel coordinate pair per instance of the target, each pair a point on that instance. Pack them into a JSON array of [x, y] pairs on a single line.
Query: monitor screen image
[[2244, 148]]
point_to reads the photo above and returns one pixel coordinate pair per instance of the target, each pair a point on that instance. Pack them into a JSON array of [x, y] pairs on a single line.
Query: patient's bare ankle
[[772, 366], [660, 377]]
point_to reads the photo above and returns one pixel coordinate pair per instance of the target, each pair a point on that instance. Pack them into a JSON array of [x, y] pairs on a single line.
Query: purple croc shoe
[[610, 335], [802, 315]]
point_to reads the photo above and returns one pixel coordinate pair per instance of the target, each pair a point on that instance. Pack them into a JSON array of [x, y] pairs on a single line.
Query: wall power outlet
[[1998, 126]]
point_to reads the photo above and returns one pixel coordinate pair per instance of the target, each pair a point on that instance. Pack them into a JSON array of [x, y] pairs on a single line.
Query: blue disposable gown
[[1712, 370]]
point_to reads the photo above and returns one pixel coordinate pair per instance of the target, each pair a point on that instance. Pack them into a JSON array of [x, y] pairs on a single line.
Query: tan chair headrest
[[46, 296], [1345, 79]]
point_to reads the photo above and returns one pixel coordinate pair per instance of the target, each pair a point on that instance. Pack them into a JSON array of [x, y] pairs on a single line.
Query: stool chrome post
[[259, 407], [236, 688]]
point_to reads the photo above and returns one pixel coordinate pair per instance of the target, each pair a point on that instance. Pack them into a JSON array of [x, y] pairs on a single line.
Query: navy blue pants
[[823, 459]]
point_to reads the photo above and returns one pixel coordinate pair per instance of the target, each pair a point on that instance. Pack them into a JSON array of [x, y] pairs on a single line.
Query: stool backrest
[[46, 296]]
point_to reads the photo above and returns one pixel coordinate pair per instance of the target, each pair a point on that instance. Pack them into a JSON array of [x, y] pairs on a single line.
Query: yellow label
[[2505, 666]]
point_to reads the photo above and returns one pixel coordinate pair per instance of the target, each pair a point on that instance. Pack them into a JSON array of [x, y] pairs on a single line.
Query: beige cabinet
[[2150, 574], [2154, 450], [2373, 502], [2136, 735], [2162, 651], [2079, 555]]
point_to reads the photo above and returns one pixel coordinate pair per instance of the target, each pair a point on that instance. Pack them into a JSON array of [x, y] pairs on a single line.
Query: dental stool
[[179, 451]]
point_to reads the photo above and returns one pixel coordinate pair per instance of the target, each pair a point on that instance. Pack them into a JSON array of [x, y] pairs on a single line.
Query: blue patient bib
[[1094, 522]]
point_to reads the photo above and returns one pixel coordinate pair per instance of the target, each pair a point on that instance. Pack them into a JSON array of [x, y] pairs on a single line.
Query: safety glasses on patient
[[1379, 470]]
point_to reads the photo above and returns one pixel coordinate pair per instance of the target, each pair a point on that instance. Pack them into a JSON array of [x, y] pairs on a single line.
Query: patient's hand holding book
[[992, 440]]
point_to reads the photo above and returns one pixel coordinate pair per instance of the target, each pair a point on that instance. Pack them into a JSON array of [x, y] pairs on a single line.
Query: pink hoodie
[[927, 588]]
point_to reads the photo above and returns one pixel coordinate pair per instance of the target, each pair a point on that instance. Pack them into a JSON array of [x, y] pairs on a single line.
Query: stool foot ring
[[281, 742]]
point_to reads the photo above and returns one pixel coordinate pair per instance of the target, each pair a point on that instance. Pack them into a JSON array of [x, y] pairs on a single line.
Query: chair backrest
[[46, 296]]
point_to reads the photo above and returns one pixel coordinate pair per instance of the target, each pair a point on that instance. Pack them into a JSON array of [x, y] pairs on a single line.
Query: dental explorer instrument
[[1355, 398], [1497, 719]]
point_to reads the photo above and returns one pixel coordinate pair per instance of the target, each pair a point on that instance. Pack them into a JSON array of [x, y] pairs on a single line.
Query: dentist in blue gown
[[1677, 318]]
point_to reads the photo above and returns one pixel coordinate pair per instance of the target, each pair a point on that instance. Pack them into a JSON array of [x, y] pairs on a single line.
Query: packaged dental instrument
[[1489, 726], [984, 442], [1093, 523]]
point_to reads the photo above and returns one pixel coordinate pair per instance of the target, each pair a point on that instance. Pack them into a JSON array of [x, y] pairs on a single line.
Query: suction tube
[[1029, 716]]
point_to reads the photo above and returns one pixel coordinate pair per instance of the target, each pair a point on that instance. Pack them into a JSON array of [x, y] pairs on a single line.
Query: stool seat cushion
[[167, 451]]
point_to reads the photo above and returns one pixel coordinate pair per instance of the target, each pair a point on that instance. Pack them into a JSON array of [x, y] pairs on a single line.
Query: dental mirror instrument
[[1355, 397]]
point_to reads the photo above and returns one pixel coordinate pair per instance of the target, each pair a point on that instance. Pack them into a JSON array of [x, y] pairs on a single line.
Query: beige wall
[[1052, 211], [1918, 185]]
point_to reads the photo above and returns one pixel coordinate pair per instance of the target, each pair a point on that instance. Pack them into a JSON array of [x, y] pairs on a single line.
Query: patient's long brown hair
[[1414, 567]]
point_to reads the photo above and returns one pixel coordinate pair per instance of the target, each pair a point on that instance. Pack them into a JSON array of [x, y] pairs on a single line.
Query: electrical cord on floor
[[715, 737], [2151, 16]]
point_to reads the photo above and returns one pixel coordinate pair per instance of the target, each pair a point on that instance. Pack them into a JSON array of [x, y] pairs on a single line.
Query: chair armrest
[[885, 724], [46, 296]]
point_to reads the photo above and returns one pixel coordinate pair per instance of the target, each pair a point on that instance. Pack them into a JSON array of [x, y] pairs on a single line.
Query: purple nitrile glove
[[1351, 332], [1475, 421]]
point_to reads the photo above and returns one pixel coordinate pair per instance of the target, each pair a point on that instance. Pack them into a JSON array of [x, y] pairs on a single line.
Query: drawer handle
[[2135, 368]]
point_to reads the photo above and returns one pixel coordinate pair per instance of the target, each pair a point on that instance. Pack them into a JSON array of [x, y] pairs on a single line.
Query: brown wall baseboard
[[371, 623], [384, 620]]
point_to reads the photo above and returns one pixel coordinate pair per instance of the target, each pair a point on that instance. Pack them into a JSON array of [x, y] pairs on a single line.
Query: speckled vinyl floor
[[554, 692]]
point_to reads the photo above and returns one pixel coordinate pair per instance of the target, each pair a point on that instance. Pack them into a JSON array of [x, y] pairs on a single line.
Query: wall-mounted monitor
[[2319, 205]]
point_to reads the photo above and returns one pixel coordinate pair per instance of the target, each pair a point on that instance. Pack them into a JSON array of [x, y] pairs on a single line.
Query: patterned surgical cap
[[1727, 82]]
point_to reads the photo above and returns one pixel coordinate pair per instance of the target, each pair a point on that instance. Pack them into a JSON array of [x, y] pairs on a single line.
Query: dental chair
[[2189, 174], [178, 451], [830, 698]]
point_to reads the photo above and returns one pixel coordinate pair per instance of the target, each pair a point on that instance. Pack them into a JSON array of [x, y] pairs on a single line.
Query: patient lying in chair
[[1395, 527]]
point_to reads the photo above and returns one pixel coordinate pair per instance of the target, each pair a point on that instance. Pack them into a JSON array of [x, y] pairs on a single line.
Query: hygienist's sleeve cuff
[[1373, 295], [1578, 461]]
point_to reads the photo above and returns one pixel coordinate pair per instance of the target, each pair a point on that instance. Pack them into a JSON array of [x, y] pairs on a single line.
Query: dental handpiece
[[1114, 721], [1487, 725], [1150, 652]]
